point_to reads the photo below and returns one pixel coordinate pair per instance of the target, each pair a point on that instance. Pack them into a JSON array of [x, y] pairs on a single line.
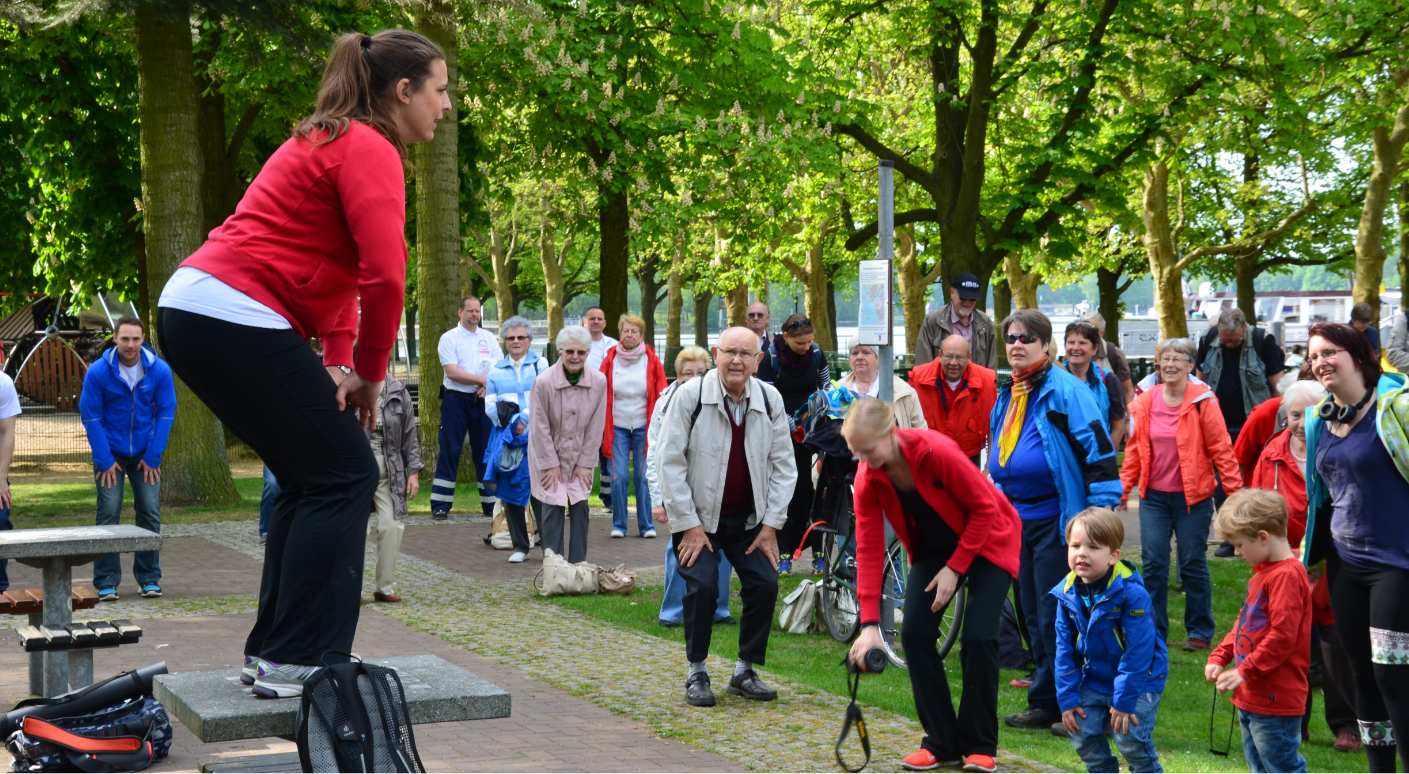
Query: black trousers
[[517, 522], [757, 576], [550, 529], [975, 730], [271, 390], [1364, 599], [800, 508], [1337, 686]]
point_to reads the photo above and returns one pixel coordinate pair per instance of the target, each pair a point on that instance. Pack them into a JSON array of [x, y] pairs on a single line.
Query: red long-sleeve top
[[1272, 640], [984, 520], [319, 227]]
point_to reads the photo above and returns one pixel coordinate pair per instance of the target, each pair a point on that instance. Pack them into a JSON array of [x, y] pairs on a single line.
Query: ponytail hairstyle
[[359, 79]]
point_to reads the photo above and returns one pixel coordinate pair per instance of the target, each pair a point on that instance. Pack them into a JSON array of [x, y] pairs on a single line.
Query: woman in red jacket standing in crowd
[[321, 228], [955, 526]]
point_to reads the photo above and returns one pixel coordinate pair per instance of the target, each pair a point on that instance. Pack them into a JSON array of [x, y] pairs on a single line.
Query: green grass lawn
[[1182, 731]]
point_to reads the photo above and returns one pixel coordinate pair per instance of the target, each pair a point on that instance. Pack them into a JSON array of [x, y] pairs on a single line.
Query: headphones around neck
[[1334, 412]]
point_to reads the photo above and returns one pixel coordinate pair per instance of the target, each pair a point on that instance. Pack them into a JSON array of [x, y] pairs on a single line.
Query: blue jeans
[[1041, 565], [633, 443], [266, 500], [1163, 514], [672, 607], [1272, 742], [1138, 746], [107, 571]]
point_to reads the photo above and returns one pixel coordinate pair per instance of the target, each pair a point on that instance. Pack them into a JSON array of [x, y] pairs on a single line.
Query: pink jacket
[[566, 425]]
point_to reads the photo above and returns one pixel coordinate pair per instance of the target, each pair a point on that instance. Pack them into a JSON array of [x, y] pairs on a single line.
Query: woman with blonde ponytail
[[315, 249]]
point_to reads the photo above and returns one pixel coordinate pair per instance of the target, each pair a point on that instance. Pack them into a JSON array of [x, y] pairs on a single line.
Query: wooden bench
[[15, 602]]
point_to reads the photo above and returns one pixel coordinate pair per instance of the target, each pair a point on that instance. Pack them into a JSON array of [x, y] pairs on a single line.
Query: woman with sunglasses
[[506, 402], [1357, 484], [1042, 417], [799, 370], [1177, 439]]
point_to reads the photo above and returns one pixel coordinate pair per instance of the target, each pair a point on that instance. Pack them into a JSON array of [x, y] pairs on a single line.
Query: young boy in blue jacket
[[1111, 665]]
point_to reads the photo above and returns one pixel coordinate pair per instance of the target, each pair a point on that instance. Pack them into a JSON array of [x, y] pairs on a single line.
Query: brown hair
[[1084, 329], [1355, 345], [1250, 511], [1362, 312], [798, 325], [1033, 322], [1103, 527], [128, 320], [358, 81]]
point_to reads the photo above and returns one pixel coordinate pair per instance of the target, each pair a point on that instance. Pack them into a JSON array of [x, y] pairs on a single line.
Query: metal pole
[[886, 237]]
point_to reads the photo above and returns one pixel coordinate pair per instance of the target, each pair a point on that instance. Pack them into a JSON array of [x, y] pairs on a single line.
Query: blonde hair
[[1250, 511], [871, 416], [631, 319], [1103, 527], [692, 355]]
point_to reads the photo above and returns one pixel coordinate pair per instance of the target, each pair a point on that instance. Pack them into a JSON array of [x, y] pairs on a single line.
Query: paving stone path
[[629, 672]]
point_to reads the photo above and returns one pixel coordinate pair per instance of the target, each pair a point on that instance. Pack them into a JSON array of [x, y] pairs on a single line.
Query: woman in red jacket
[[321, 228], [954, 525], [635, 379]]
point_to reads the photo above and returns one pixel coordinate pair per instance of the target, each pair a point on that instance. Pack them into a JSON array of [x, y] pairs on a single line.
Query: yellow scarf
[[1012, 429]]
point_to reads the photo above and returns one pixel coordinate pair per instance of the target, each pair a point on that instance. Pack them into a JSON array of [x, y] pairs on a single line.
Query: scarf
[[1023, 383], [787, 358], [628, 357]]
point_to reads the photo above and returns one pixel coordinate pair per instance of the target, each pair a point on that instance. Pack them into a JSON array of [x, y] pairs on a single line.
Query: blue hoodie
[[1074, 441], [1116, 653], [126, 421]]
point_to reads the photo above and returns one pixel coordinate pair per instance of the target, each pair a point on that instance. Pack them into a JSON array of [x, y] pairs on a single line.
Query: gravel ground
[[636, 674]]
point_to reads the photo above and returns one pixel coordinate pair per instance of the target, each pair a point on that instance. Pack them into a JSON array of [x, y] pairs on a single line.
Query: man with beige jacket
[[727, 473]]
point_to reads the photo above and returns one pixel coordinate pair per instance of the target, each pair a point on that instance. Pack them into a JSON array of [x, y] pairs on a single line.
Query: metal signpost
[[886, 256]]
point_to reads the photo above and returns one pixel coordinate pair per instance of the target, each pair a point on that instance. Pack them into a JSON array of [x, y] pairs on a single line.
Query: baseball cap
[[968, 287]]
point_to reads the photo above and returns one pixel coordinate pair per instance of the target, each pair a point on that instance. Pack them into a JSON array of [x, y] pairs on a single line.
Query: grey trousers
[[550, 528]]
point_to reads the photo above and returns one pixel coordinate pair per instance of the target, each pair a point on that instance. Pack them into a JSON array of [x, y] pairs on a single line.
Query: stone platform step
[[252, 764], [217, 707]]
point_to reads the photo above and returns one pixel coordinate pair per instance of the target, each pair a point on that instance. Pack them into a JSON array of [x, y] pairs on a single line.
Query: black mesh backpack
[[353, 717]]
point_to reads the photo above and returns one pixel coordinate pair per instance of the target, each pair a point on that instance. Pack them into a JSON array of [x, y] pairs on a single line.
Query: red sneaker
[[924, 760], [984, 763], [1024, 682]]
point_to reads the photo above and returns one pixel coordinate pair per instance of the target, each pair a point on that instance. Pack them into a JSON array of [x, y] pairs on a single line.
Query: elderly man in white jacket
[[727, 473]]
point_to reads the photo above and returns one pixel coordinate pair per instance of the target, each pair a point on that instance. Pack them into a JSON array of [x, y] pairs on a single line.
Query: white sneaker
[[648, 534], [281, 681], [517, 557], [618, 533]]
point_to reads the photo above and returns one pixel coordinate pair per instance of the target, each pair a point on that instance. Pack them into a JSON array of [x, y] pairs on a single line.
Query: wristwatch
[[345, 370]]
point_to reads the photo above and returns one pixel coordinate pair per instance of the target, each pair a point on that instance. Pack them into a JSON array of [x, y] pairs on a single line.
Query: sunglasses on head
[[1026, 338], [797, 324]]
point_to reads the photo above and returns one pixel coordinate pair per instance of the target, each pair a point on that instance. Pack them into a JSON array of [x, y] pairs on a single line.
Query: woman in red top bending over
[[321, 227], [955, 526]]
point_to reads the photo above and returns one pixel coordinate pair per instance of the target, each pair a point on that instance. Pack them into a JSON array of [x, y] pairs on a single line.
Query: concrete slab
[[28, 545], [216, 707]]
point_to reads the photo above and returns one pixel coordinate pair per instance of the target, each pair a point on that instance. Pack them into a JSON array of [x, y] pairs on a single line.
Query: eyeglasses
[[1326, 355], [1173, 360], [1026, 338], [756, 315], [517, 338], [577, 352], [953, 358], [735, 354], [797, 324]]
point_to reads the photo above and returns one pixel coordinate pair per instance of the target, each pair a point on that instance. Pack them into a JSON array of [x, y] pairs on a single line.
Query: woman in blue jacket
[[1053, 459], [506, 390]]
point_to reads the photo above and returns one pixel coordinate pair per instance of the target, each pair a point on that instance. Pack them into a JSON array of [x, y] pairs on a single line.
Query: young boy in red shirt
[[1272, 641]]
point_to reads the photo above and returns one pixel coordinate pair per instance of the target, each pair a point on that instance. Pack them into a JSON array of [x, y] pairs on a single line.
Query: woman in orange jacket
[[1177, 440]]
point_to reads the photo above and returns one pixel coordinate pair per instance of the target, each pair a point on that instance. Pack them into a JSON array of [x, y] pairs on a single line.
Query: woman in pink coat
[[568, 414]]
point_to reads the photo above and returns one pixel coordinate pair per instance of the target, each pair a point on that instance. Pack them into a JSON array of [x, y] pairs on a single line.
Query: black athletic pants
[[800, 509], [975, 730], [759, 593], [1373, 622], [270, 388]]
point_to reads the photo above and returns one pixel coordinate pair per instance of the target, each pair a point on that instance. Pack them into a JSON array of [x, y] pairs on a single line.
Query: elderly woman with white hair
[[864, 380], [568, 416], [506, 403]]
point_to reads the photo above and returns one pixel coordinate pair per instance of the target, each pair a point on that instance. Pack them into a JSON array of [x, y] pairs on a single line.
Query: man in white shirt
[[9, 411], [467, 352], [595, 321]]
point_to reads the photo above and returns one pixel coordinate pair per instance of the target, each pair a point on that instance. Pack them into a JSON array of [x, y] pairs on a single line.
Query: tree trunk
[[195, 468], [1403, 244], [674, 304], [702, 299], [552, 276], [1369, 238], [437, 225], [1108, 303], [760, 291], [1245, 269], [614, 219], [1002, 307], [913, 284], [1021, 282], [816, 288], [1159, 247], [649, 285], [831, 326], [412, 342]]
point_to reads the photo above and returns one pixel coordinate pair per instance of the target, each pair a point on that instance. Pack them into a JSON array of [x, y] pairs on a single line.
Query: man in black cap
[[959, 317]]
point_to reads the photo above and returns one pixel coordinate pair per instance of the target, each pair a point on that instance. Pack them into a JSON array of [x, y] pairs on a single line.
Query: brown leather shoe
[[380, 597], [1348, 741]]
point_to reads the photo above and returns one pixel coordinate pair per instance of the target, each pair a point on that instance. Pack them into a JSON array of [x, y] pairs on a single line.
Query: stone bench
[[217, 707]]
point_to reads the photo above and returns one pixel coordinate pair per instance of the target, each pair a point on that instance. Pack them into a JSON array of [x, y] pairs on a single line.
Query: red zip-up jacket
[[966, 420], [1277, 470], [1272, 641], [655, 385], [984, 520], [319, 227]]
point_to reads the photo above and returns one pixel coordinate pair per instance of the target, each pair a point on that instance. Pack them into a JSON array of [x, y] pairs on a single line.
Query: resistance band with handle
[[853, 717]]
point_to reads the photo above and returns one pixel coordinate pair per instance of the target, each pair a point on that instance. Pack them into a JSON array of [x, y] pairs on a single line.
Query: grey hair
[[1186, 347], [854, 342], [571, 333], [1232, 320], [1306, 388], [515, 322], [1096, 319]]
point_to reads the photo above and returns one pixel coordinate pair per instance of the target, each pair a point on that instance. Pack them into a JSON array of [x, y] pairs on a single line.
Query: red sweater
[[655, 385], [1277, 470], [984, 520], [1257, 431], [318, 228], [1272, 641]]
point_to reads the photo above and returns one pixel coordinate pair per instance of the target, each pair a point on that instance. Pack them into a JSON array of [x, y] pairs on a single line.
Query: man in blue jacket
[[128, 404]]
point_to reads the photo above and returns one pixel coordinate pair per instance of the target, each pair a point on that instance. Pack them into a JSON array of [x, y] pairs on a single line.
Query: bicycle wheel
[[893, 580], [840, 608], [952, 621]]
